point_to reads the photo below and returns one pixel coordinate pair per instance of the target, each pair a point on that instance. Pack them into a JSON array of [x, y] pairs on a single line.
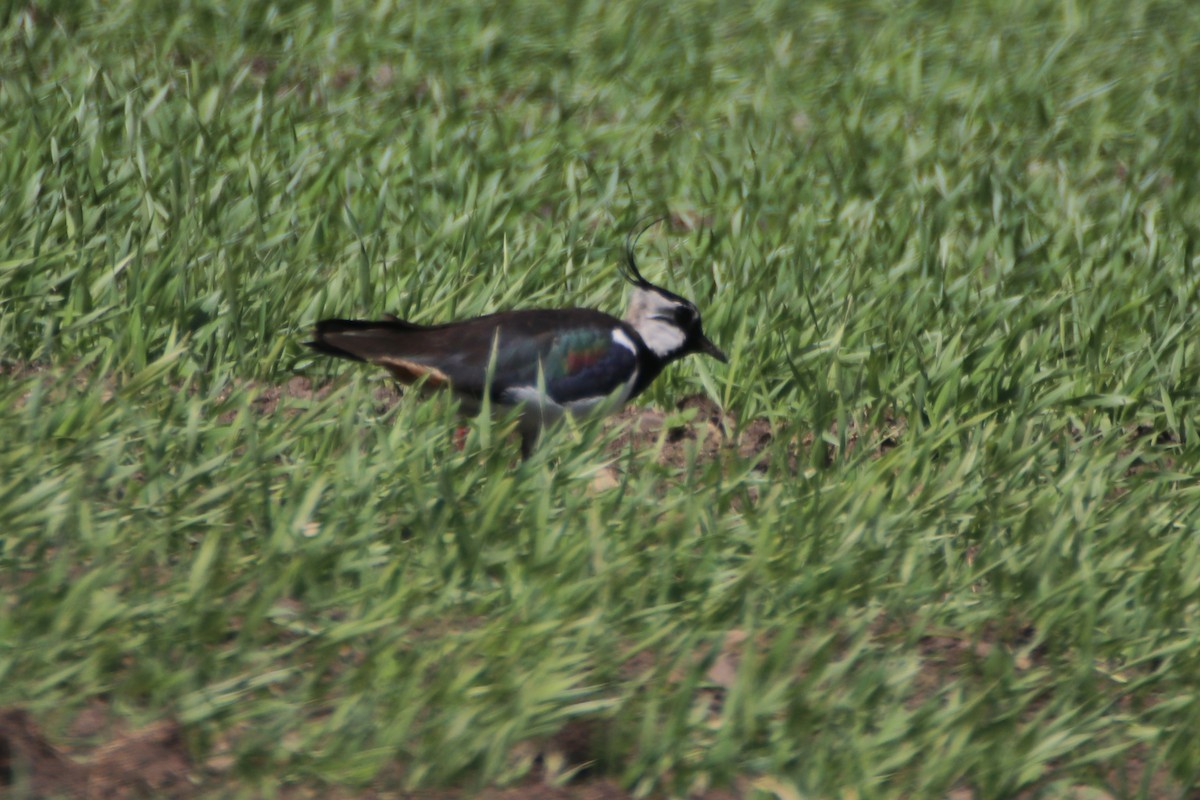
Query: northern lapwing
[[548, 361]]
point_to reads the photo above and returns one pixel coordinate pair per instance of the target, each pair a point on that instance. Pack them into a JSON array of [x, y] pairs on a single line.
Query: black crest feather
[[629, 269]]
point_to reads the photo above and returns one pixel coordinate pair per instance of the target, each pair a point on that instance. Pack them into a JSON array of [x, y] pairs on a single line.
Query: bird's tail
[[362, 340]]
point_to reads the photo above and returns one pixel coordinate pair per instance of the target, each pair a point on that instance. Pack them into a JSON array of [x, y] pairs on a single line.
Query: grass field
[[930, 534]]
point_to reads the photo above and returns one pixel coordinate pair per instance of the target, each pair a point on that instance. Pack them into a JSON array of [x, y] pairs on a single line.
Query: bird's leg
[[529, 440]]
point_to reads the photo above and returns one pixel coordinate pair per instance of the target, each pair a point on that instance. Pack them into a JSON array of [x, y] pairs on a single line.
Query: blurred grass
[[977, 220]]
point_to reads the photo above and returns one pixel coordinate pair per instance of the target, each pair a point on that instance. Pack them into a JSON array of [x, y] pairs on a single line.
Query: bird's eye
[[685, 317]]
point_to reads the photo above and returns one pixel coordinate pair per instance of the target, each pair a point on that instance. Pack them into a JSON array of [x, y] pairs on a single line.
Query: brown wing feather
[[409, 372]]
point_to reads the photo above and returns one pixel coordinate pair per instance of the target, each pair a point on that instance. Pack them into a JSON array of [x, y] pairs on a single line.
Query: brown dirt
[[29, 763], [719, 431], [714, 429], [97, 759], [150, 762], [154, 762]]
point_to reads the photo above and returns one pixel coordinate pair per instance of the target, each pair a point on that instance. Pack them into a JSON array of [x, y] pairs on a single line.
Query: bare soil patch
[[148, 762]]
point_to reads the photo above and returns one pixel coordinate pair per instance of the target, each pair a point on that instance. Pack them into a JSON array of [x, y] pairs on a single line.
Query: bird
[[549, 362]]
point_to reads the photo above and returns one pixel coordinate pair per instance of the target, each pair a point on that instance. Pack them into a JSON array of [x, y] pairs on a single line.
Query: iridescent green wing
[[576, 364]]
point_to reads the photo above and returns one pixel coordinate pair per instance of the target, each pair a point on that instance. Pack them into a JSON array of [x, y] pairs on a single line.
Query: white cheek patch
[[661, 337], [649, 314]]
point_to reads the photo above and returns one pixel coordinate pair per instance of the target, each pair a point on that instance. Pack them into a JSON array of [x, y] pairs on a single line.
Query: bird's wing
[[575, 364]]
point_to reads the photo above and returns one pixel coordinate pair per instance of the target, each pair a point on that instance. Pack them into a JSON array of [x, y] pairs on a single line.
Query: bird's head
[[668, 324]]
